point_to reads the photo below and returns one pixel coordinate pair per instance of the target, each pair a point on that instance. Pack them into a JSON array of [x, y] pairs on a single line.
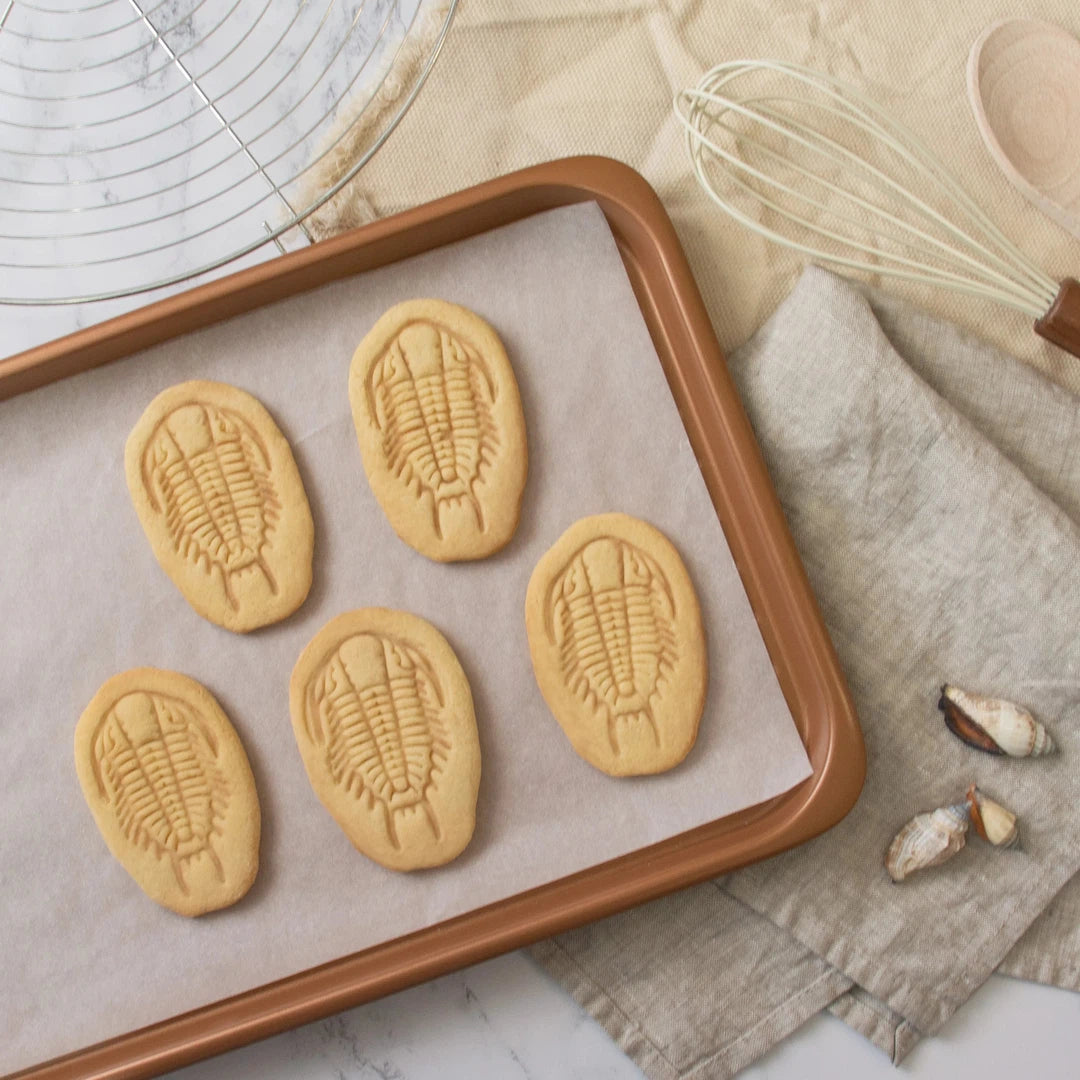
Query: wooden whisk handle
[[1061, 324]]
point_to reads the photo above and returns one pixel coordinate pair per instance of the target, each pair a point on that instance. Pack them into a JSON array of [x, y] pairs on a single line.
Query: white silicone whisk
[[817, 166]]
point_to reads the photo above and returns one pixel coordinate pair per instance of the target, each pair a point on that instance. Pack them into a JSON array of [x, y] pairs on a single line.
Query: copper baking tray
[[737, 480]]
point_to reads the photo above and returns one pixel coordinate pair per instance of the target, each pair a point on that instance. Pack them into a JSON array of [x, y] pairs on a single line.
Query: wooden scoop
[[1023, 80], [1024, 84]]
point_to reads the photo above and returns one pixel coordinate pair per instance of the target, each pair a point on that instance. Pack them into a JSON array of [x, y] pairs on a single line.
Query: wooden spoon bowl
[[1024, 84]]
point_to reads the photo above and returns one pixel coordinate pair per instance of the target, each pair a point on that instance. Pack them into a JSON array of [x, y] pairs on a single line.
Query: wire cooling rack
[[143, 143]]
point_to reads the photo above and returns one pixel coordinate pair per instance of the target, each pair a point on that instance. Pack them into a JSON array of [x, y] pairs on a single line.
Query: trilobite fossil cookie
[[617, 644], [169, 785], [221, 501], [441, 431], [383, 716]]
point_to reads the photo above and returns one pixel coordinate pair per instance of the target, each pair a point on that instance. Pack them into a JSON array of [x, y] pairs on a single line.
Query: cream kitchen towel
[[522, 81], [929, 482]]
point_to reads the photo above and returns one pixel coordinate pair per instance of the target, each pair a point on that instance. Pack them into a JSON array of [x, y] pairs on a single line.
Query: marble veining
[[502, 1020], [149, 140]]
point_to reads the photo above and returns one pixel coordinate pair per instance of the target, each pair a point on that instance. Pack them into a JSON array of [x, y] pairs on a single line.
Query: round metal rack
[[145, 142]]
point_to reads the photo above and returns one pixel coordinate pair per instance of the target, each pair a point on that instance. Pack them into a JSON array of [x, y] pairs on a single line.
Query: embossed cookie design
[[383, 716], [441, 431], [170, 788], [221, 501], [617, 644]]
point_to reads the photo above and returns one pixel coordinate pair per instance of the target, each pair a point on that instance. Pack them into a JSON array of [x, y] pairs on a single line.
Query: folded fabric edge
[[982, 396], [1048, 970], [887, 1030], [864, 969], [719, 1064], [627, 1035]]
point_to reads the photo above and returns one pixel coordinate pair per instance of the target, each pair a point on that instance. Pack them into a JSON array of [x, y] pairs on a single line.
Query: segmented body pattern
[[431, 396], [611, 615], [155, 763], [206, 469], [374, 707]]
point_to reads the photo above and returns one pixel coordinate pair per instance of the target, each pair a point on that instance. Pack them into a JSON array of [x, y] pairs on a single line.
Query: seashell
[[927, 840], [991, 820], [993, 725]]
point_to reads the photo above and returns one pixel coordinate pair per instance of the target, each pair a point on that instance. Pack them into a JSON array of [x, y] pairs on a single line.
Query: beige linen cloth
[[937, 534], [928, 481]]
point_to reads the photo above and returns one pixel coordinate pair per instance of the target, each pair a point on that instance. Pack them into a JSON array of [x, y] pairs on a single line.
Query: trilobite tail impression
[[221, 501], [617, 644], [383, 716], [441, 431], [170, 788]]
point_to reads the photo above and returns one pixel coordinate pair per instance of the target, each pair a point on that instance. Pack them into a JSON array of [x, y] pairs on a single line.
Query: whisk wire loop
[[836, 154], [959, 248], [903, 194], [920, 275], [853, 104]]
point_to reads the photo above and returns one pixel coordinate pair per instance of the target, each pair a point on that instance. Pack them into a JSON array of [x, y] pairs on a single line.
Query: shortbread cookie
[[170, 788], [441, 431], [221, 501], [617, 644], [384, 719]]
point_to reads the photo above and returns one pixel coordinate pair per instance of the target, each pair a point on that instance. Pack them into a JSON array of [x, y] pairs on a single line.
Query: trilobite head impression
[[441, 432], [383, 716], [221, 501], [617, 644], [170, 788], [421, 348]]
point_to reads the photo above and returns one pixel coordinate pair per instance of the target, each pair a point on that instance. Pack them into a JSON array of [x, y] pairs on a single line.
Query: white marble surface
[[505, 1018]]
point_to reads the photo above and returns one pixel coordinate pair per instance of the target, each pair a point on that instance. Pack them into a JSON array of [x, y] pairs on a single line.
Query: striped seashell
[[440, 427], [991, 820], [170, 788], [993, 724], [384, 719], [927, 840]]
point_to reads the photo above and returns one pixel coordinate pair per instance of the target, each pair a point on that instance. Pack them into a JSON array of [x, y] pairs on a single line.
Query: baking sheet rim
[[735, 474]]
